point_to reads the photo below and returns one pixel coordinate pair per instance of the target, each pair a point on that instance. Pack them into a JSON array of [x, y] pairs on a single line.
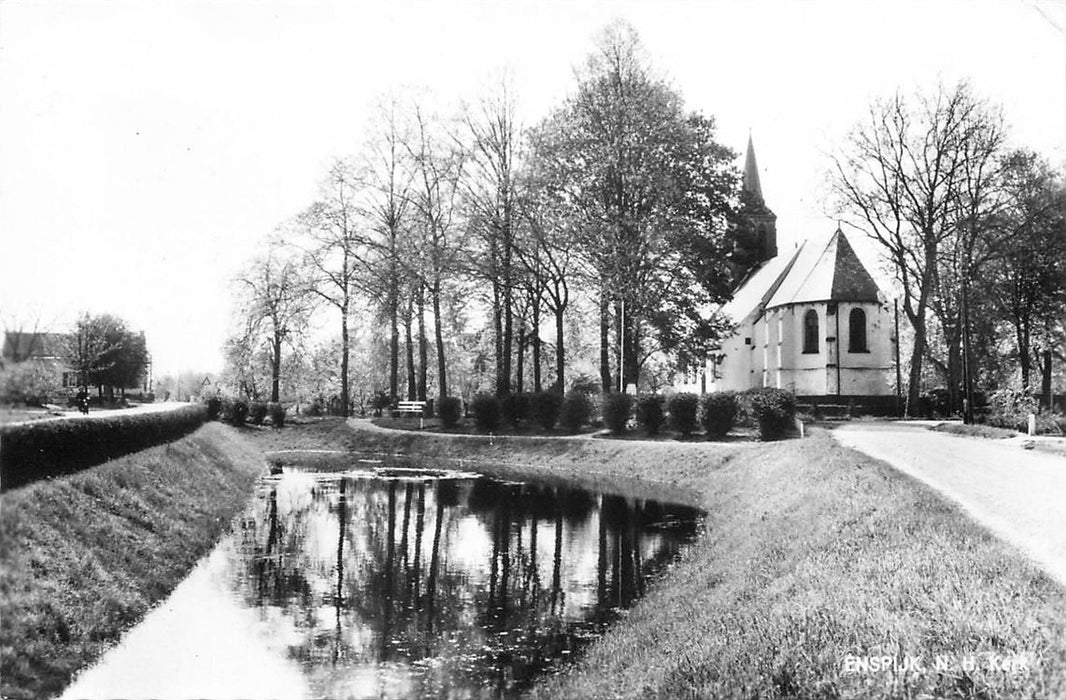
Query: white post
[[1032, 425]]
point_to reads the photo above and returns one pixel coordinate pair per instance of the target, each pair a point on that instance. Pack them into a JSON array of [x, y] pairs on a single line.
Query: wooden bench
[[410, 407], [415, 407]]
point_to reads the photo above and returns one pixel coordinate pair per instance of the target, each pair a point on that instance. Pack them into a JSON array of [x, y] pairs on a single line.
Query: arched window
[[810, 332], [857, 331]]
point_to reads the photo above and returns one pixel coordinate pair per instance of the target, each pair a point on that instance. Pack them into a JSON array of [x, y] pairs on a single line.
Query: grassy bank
[[813, 552], [85, 556], [981, 431]]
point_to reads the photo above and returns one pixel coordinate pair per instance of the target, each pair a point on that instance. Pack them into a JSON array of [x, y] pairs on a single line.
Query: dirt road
[[1020, 495]]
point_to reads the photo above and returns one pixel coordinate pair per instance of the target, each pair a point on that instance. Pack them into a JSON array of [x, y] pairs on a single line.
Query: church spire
[[751, 173]]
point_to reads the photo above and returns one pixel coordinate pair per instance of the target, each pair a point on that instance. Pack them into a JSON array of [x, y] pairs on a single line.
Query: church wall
[[869, 373]]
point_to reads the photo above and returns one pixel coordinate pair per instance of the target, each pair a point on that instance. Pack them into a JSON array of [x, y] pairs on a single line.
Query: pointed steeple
[[751, 173]]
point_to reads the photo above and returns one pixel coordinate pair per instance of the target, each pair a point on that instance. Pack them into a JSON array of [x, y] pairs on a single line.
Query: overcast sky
[[147, 149]]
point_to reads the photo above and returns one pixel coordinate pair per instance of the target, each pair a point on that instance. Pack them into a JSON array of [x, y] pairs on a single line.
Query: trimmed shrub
[[616, 410], [317, 407], [683, 408], [235, 412], [451, 410], [651, 412], [379, 402], [545, 407], [487, 412], [257, 413], [576, 411], [42, 449], [718, 413], [775, 410], [277, 414], [515, 408], [214, 408]]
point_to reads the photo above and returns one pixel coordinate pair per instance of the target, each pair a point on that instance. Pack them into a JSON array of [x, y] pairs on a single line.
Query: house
[[45, 352], [813, 320]]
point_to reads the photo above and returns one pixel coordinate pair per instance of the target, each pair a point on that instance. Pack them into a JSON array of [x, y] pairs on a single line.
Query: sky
[[147, 150]]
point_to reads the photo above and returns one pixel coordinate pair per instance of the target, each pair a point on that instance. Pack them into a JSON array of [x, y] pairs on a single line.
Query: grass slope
[[85, 556], [816, 552], [812, 552]]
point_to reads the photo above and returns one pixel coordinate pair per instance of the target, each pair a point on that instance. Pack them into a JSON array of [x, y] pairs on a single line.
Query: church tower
[[762, 223]]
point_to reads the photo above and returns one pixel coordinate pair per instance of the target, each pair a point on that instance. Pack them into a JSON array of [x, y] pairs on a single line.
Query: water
[[396, 583]]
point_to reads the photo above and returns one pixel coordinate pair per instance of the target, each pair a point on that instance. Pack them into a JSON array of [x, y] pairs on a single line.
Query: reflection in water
[[419, 586]]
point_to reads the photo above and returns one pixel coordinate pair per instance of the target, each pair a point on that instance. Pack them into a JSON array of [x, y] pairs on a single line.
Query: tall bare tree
[[901, 178], [387, 205], [492, 141], [437, 167], [276, 306], [336, 253]]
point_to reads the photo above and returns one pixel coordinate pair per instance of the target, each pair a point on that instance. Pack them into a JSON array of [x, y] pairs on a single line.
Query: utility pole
[[899, 374]]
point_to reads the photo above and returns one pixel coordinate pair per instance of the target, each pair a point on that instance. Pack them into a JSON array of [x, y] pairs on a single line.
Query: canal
[[396, 582]]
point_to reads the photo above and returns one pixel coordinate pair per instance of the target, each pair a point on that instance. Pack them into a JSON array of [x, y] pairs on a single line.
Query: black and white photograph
[[494, 349]]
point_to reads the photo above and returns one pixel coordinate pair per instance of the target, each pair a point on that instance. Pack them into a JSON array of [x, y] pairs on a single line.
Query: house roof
[[20, 345], [812, 273], [833, 273]]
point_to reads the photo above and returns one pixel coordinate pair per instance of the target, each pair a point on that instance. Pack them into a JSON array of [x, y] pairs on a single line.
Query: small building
[[812, 321]]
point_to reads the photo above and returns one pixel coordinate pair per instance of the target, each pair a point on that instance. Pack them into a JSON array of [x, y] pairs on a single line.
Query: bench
[[418, 407], [408, 407]]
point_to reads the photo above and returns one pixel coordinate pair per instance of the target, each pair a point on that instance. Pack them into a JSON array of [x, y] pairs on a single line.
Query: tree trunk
[[1045, 379], [559, 354], [438, 330], [412, 386], [536, 345], [519, 359], [423, 343], [1025, 360], [497, 329], [605, 341], [345, 352], [275, 369], [508, 316], [394, 330], [915, 373]]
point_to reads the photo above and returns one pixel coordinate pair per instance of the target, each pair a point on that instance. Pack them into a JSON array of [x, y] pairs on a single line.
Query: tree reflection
[[448, 570]]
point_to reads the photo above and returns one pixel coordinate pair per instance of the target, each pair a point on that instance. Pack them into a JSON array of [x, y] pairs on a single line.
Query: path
[[100, 413], [1020, 495]]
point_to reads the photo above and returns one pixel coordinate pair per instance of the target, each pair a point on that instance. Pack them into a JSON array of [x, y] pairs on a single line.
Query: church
[[812, 320]]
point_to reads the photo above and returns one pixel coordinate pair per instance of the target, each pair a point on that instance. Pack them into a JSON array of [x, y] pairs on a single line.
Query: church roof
[[759, 286], [832, 273], [751, 173], [812, 273]]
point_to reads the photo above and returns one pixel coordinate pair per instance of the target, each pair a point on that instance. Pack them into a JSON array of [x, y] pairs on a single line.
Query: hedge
[[576, 411], [684, 410], [49, 448], [545, 407], [718, 413], [487, 412], [775, 411], [651, 414], [616, 410], [450, 410]]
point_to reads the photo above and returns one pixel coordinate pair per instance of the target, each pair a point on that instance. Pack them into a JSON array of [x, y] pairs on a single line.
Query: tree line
[[975, 233], [460, 236], [448, 241]]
